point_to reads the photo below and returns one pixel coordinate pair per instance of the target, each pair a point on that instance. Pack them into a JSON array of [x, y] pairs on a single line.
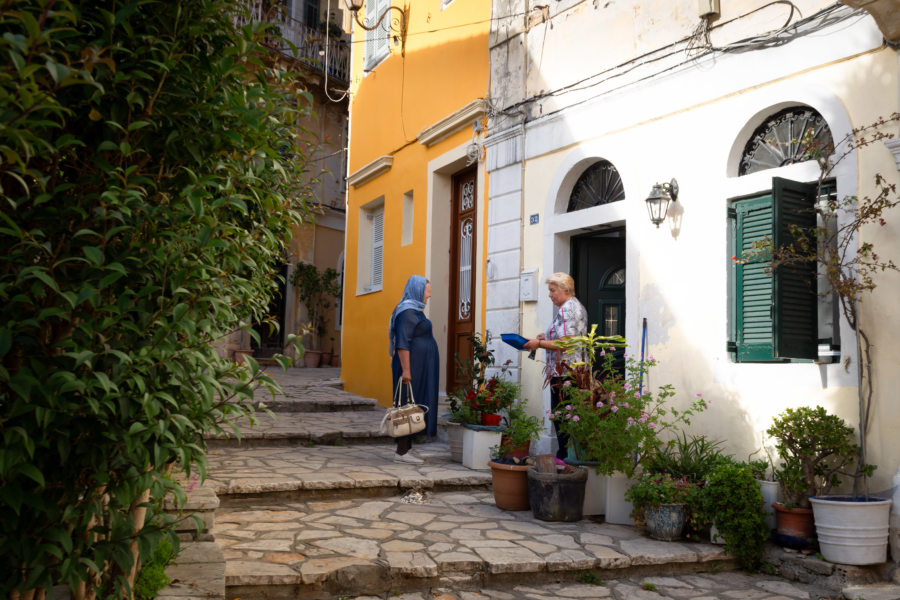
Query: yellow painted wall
[[445, 67]]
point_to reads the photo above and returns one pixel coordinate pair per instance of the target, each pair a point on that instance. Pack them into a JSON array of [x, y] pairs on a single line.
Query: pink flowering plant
[[613, 419], [652, 490]]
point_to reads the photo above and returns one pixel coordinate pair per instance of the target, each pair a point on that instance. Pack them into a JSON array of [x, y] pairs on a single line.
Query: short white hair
[[563, 282]]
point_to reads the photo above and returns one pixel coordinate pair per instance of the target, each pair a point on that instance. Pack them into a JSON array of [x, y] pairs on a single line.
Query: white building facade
[[592, 104]]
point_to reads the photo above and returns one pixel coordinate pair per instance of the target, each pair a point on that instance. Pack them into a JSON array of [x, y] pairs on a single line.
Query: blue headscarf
[[413, 297]]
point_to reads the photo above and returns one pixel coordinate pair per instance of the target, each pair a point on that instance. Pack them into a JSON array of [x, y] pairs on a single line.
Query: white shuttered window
[[378, 39]]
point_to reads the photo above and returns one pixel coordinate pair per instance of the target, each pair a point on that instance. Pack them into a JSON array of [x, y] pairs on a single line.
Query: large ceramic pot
[[556, 496], [665, 522], [794, 527], [510, 484], [771, 493], [618, 509], [852, 531], [477, 443]]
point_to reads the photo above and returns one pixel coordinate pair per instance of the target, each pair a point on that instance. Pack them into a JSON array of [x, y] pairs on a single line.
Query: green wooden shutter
[[753, 284], [795, 307]]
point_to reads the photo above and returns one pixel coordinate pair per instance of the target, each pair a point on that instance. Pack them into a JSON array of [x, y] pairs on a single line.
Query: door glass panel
[[610, 319]]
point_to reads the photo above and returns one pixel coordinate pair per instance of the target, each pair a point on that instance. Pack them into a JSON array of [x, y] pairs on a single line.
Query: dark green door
[[598, 266]]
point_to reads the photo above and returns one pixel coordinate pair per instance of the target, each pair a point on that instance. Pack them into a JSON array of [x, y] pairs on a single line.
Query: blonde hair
[[563, 282]]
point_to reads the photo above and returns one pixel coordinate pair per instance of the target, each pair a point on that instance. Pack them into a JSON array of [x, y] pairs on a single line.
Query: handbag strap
[[409, 401]]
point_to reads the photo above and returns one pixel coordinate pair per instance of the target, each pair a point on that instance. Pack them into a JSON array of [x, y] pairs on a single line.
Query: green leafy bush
[[732, 501], [150, 175], [152, 576]]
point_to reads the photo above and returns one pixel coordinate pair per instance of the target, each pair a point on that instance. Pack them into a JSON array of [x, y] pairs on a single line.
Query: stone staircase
[[311, 505]]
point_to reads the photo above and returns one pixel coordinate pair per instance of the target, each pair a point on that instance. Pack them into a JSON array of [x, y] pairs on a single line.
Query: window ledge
[[454, 122], [377, 167]]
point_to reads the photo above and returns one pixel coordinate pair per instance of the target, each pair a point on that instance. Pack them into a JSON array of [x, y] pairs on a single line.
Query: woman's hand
[[533, 344], [406, 377]]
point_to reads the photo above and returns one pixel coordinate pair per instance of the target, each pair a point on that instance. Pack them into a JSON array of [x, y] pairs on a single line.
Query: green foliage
[[152, 576], [815, 449], [614, 420], [732, 501], [149, 180], [692, 457], [474, 371], [317, 289], [656, 489], [521, 429], [590, 577], [650, 587]]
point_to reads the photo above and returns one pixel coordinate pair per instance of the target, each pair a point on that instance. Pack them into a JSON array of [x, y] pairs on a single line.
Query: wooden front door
[[461, 319]]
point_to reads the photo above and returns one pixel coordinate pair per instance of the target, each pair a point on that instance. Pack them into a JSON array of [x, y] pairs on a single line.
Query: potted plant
[[614, 421], [461, 411], [693, 457], [316, 289], [731, 500], [816, 449], [659, 501], [509, 465], [763, 470]]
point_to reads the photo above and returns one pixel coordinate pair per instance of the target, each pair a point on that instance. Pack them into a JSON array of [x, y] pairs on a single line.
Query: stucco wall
[[691, 123]]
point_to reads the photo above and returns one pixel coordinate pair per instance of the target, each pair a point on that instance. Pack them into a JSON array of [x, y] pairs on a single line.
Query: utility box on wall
[[528, 286], [707, 8]]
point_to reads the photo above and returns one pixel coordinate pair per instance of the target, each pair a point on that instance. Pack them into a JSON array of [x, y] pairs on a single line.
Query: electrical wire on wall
[[831, 15]]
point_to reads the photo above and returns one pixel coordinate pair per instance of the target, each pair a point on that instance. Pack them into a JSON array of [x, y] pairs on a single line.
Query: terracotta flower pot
[[519, 451], [311, 358], [794, 527], [510, 484]]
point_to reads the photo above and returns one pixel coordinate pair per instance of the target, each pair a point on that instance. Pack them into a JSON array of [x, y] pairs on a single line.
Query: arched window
[[793, 135], [599, 184]]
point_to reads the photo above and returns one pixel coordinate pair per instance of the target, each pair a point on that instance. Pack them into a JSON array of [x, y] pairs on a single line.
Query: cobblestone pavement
[[453, 532], [707, 586], [300, 520], [288, 468]]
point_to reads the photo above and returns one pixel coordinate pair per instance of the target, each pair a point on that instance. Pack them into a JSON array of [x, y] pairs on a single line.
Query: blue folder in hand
[[515, 340]]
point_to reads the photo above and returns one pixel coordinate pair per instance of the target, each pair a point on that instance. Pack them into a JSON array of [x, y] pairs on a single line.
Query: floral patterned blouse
[[571, 319]]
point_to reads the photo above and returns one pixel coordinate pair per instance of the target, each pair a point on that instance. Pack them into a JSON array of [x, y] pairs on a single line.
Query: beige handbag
[[403, 419]]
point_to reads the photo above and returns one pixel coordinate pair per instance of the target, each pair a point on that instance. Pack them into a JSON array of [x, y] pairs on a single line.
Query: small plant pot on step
[[665, 522], [794, 527], [510, 485], [852, 531], [311, 358]]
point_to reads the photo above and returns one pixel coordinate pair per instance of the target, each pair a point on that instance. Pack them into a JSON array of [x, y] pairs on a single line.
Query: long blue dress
[[413, 332]]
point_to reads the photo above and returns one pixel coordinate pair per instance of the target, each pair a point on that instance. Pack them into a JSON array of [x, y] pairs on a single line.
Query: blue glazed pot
[[665, 522]]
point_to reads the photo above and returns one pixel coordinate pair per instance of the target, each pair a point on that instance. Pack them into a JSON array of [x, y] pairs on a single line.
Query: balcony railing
[[311, 43]]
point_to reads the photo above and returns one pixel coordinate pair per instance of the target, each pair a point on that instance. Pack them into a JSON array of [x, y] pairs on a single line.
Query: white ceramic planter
[[618, 510], [771, 493], [852, 533], [455, 441], [476, 448], [714, 536], [594, 493]]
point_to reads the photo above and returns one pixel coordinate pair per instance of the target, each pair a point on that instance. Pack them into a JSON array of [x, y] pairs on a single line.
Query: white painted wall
[[690, 123]]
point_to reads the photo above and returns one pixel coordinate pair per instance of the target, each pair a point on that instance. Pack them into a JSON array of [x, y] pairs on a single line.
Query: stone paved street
[[311, 505]]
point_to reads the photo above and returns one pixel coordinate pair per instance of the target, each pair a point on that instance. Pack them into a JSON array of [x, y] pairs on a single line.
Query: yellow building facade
[[416, 200]]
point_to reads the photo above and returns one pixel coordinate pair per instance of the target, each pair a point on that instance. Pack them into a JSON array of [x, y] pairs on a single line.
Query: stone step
[[197, 572], [305, 428], [324, 549], [287, 473]]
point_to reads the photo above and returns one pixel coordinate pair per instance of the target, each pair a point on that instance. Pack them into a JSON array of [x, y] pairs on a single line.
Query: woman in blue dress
[[415, 359]]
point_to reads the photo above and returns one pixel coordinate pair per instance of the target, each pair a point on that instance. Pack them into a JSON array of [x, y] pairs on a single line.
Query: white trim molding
[[894, 146], [505, 147], [367, 173], [474, 110]]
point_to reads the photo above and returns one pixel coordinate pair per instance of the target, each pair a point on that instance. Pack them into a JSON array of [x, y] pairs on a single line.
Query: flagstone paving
[[312, 506], [386, 543], [236, 471]]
